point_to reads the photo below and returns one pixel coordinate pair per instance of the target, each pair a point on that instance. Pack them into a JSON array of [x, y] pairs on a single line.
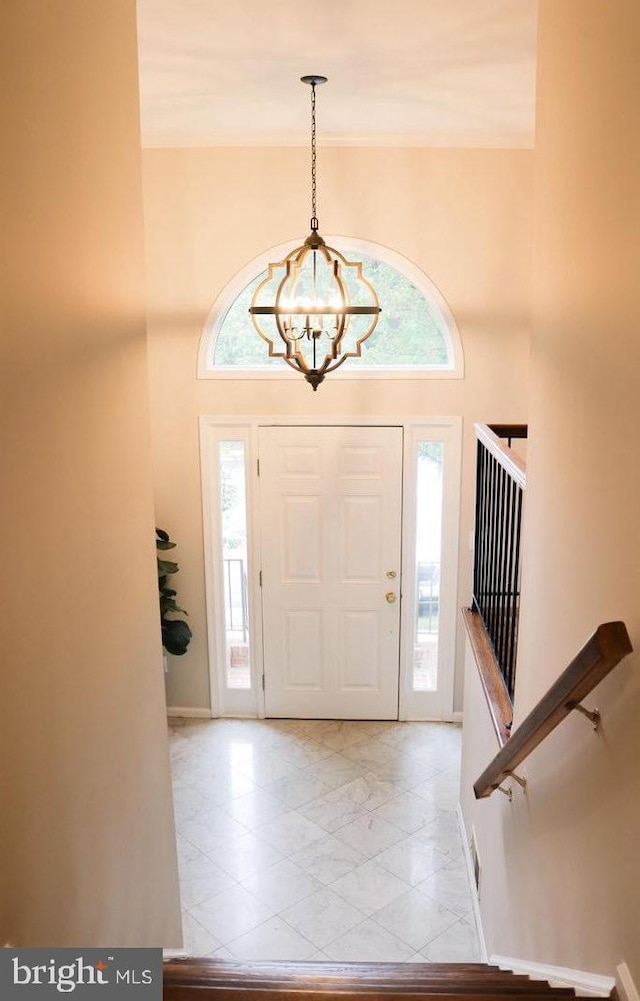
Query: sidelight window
[[234, 549]]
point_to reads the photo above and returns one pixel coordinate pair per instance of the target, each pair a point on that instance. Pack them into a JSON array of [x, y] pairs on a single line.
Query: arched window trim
[[352, 247]]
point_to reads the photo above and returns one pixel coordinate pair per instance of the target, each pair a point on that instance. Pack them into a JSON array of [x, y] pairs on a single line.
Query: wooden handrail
[[493, 684], [600, 654], [507, 458], [510, 430]]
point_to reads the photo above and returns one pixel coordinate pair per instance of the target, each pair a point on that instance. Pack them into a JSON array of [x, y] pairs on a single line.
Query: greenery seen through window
[[411, 331]]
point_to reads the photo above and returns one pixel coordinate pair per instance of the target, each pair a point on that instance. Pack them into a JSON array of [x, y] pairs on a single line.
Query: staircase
[[200, 979]]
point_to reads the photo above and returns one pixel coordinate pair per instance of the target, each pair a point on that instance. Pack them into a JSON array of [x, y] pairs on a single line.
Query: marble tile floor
[[321, 840]]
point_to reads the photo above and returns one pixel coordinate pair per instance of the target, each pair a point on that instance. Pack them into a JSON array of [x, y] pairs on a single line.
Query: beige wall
[[463, 216], [572, 870], [89, 856]]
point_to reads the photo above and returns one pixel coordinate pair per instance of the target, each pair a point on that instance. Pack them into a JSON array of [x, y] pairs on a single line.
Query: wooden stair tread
[[426, 983], [177, 992], [388, 973], [299, 968], [308, 981]]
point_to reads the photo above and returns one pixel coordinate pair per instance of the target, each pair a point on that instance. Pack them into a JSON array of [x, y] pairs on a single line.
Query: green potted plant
[[176, 634]]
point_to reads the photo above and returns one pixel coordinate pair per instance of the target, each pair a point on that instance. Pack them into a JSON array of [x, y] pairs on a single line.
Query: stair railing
[[501, 480], [600, 654]]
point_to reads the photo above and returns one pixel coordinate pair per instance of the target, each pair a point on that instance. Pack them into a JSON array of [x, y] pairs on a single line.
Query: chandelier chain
[[314, 218]]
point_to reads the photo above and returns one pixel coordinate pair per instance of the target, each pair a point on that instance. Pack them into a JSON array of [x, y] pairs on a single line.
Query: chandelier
[[315, 308]]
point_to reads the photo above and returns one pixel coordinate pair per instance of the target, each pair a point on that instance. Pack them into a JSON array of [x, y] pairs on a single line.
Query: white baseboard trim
[[625, 986], [174, 954], [457, 717], [584, 984], [477, 917], [188, 712]]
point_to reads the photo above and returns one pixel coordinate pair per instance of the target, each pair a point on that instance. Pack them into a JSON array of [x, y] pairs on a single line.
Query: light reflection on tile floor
[[322, 840]]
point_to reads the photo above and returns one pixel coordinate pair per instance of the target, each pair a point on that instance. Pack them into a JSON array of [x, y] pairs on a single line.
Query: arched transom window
[[416, 334]]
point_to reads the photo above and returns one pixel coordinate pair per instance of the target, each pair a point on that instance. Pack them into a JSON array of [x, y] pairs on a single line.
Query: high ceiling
[[401, 72]]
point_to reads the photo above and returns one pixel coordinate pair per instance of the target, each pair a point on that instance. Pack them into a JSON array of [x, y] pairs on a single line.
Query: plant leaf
[[166, 567], [169, 605], [176, 636]]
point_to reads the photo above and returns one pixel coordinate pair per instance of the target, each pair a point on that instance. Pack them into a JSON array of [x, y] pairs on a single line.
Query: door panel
[[330, 503], [303, 649], [360, 665], [301, 540]]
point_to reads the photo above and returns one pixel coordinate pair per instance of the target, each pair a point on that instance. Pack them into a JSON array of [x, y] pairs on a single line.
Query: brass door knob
[[390, 596]]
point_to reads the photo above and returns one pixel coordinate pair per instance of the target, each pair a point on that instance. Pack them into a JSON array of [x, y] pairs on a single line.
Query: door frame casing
[[251, 703]]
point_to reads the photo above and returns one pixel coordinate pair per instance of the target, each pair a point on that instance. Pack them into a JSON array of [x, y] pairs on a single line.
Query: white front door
[[330, 530]]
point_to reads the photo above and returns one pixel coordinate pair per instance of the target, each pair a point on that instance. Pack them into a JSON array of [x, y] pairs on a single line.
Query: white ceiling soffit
[[401, 72]]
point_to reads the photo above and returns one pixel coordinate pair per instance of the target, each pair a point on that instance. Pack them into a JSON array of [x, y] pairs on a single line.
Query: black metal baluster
[[494, 548], [504, 580], [486, 481], [516, 604], [496, 560], [510, 582], [479, 521]]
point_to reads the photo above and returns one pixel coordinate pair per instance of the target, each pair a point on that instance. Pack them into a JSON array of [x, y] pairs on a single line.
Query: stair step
[[182, 992], [426, 983], [397, 974], [299, 966], [304, 981]]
